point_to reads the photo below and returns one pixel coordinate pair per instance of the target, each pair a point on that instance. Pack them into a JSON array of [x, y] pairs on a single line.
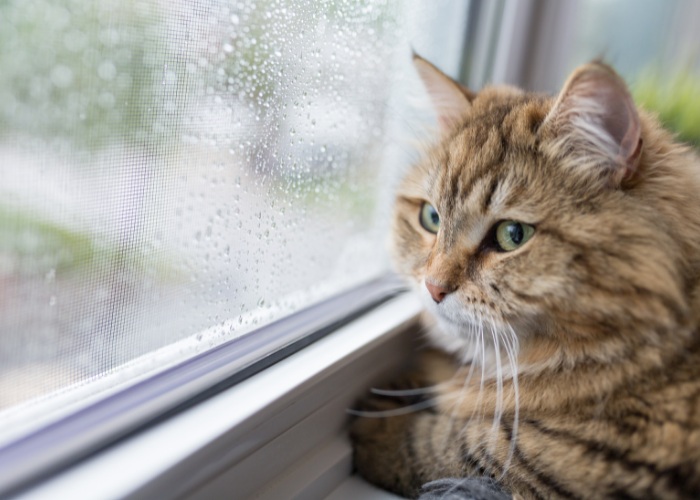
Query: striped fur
[[574, 361]]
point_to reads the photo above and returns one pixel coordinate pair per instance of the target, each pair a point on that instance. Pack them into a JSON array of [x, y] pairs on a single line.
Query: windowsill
[[353, 487], [279, 431]]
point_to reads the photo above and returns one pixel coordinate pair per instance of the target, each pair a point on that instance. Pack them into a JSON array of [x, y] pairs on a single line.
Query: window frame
[[232, 439], [153, 400]]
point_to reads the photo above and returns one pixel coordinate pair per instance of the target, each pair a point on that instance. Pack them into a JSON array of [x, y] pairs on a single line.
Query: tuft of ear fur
[[450, 99], [595, 117]]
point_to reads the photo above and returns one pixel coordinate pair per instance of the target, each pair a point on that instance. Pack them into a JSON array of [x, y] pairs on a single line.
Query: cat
[[555, 243]]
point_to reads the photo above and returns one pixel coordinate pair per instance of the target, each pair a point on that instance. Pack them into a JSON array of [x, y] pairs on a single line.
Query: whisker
[[394, 412], [479, 398], [419, 391], [498, 414], [465, 384], [512, 347]]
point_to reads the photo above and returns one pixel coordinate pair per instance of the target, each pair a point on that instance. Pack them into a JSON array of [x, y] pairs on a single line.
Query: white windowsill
[[279, 432]]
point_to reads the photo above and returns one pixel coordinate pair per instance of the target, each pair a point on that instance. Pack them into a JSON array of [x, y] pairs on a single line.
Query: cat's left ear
[[595, 116], [451, 100]]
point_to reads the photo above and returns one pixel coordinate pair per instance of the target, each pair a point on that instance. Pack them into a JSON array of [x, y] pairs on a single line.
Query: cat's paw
[[381, 431], [379, 446], [381, 416]]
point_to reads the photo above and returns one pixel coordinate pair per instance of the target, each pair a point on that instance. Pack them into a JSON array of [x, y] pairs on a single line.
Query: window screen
[[174, 174]]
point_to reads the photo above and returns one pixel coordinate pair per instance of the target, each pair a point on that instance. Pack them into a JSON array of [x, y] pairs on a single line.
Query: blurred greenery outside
[[28, 237], [40, 247], [83, 72], [78, 74], [90, 75], [674, 98], [93, 74]]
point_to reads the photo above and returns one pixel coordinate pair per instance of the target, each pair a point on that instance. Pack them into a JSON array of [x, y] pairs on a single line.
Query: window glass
[[174, 174]]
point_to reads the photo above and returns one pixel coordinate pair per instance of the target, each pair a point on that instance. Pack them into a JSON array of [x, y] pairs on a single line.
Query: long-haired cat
[[556, 245]]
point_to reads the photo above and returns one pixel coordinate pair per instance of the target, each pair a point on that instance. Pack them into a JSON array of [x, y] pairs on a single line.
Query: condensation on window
[[176, 173]]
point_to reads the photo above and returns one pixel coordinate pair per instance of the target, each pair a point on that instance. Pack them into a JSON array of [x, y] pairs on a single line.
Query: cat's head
[[551, 220]]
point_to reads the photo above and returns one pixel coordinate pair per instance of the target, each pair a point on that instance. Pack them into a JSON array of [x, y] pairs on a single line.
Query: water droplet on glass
[[107, 70], [62, 76], [50, 276]]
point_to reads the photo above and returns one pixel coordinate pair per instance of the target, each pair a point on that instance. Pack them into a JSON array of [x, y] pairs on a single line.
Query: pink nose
[[437, 292]]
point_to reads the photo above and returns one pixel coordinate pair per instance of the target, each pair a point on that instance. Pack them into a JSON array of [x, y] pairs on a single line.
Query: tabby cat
[[555, 242]]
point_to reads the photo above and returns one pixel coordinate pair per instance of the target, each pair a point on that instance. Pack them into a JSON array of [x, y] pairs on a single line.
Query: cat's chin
[[466, 338], [472, 336], [491, 361], [452, 337]]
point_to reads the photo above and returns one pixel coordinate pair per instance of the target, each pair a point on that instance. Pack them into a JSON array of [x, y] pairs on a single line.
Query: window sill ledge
[[281, 430]]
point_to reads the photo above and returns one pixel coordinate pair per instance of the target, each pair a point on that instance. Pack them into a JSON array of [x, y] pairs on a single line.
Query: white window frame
[[278, 434]]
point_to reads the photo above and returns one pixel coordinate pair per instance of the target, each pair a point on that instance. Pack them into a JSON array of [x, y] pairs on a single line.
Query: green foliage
[[37, 246], [89, 73], [32, 245], [676, 100]]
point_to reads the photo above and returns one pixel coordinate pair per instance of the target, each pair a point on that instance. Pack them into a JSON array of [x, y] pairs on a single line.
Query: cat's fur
[[595, 317]]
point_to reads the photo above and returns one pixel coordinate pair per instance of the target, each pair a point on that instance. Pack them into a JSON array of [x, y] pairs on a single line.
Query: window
[[175, 176], [191, 190]]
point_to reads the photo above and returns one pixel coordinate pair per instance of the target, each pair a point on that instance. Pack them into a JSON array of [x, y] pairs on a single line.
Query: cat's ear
[[450, 99], [595, 116]]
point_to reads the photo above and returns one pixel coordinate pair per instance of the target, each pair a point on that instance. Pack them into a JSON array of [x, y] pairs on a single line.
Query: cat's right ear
[[450, 99], [595, 115]]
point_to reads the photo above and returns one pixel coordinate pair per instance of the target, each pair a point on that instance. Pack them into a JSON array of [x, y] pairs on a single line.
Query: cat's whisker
[[465, 384], [424, 334], [514, 362], [479, 329], [394, 412], [498, 413], [511, 345], [419, 391], [403, 410], [483, 369]]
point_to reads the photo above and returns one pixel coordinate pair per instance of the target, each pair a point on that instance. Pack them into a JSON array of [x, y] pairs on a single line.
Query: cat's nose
[[437, 292]]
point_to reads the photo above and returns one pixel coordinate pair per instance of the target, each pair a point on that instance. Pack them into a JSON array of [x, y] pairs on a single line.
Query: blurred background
[[174, 174], [653, 44]]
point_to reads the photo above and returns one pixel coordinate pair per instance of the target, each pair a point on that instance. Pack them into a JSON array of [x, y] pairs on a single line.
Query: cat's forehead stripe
[[487, 195], [473, 170]]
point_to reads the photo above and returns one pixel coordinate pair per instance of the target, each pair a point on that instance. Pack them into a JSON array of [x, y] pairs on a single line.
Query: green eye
[[429, 218], [512, 234]]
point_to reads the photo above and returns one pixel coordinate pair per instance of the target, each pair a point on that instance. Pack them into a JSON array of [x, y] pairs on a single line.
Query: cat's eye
[[511, 234], [429, 218]]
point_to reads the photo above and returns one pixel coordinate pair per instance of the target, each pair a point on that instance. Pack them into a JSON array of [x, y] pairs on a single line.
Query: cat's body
[[557, 239]]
